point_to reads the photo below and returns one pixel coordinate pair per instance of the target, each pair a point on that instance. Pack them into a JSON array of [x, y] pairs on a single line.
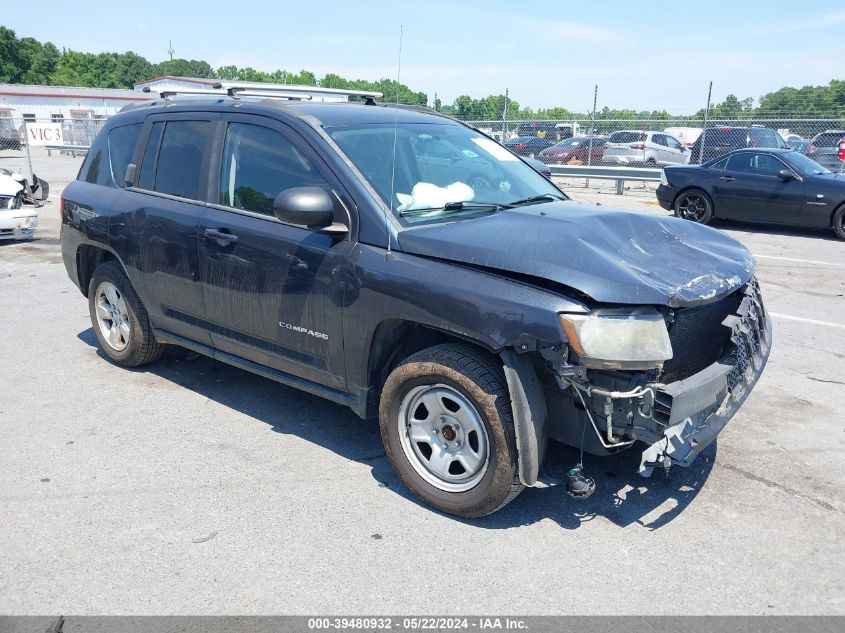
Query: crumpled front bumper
[[696, 409], [17, 224]]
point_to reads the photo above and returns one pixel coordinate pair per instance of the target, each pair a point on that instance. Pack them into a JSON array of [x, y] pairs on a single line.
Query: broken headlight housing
[[618, 338]]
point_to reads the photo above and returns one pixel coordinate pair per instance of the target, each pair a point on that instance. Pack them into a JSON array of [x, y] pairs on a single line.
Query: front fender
[[529, 413]]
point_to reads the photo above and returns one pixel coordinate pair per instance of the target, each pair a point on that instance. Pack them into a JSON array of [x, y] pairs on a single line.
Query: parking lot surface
[[191, 487]]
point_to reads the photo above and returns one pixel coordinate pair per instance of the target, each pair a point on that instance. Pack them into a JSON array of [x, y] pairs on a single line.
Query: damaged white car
[[16, 222]]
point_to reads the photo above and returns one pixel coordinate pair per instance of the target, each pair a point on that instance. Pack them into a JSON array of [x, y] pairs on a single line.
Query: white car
[[16, 223], [636, 147]]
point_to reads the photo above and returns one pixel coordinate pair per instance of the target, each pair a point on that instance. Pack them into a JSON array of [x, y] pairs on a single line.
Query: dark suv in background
[[824, 149], [477, 312], [721, 140]]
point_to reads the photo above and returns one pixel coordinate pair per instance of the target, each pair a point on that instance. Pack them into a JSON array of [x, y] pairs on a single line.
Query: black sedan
[[527, 145], [757, 185]]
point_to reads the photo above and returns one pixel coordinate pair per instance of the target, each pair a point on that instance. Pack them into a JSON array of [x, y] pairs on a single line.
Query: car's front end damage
[[16, 223], [672, 392]]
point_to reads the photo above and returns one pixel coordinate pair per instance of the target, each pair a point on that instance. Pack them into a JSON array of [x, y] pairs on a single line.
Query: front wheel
[[447, 427], [839, 223], [694, 205]]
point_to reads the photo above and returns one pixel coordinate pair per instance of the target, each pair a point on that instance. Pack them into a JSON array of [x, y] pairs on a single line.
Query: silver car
[[636, 147], [824, 149]]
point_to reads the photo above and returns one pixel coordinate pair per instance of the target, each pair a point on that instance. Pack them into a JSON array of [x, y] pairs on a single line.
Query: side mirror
[[786, 175], [129, 176], [308, 206]]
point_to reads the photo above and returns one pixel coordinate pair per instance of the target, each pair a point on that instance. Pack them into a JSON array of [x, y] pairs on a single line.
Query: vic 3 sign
[[44, 134]]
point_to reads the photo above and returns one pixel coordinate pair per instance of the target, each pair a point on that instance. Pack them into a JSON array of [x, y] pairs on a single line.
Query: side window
[[672, 143], [767, 165], [741, 163], [180, 156], [148, 162], [122, 141], [95, 167], [659, 139], [259, 163]]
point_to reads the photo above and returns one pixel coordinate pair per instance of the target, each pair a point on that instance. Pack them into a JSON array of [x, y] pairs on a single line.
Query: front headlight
[[618, 338], [27, 222]]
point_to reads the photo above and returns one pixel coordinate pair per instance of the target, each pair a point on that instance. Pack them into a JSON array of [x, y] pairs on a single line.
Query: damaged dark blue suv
[[404, 264]]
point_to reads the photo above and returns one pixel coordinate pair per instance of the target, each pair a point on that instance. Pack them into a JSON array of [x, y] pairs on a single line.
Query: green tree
[[184, 68]]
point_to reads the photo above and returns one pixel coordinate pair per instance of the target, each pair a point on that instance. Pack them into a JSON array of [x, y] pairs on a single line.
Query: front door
[[750, 189], [273, 291]]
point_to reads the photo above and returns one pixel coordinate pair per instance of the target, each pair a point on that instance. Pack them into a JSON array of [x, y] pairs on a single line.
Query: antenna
[[170, 50], [395, 132]]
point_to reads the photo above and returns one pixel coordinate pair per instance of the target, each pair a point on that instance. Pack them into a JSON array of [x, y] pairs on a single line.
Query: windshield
[[438, 166], [806, 166]]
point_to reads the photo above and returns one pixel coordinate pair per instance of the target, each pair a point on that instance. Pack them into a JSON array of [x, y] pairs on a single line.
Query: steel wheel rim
[[692, 207], [443, 437], [112, 316]]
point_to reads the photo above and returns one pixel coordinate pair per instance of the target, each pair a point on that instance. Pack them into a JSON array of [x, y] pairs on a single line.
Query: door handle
[[222, 237], [727, 178]]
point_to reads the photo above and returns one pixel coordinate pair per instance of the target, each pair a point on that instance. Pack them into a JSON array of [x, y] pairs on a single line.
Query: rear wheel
[[447, 427], [839, 223], [120, 320], [694, 205]]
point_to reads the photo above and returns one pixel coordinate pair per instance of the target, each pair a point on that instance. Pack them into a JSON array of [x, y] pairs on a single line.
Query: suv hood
[[611, 256]]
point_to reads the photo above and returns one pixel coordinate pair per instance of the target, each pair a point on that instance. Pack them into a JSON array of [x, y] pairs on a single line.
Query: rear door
[[750, 189], [162, 211], [273, 291]]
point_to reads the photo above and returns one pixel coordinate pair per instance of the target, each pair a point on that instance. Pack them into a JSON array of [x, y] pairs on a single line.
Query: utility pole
[[704, 131], [592, 129], [505, 118], [170, 50]]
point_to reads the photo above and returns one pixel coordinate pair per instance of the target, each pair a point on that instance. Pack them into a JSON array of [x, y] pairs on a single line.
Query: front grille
[[698, 337]]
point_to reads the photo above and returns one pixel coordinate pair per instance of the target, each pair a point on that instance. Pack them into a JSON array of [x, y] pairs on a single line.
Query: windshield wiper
[[546, 197], [455, 207]]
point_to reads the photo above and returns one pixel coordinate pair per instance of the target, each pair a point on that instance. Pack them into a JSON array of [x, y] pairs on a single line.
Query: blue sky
[[643, 55]]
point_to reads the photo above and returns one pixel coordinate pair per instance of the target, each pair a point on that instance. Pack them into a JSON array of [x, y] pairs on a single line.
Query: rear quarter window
[[766, 138], [95, 168], [122, 141]]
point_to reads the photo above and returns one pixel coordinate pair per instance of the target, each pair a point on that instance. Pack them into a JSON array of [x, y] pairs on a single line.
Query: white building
[[21, 102], [82, 111]]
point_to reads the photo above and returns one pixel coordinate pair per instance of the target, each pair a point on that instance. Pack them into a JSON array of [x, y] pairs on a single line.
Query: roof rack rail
[[184, 91], [258, 89], [264, 87]]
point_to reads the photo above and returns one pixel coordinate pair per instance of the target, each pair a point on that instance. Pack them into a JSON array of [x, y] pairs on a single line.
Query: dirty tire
[[480, 380], [142, 347], [839, 222], [694, 205]]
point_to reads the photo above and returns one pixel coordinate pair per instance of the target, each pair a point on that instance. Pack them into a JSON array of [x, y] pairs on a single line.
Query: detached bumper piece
[[692, 412]]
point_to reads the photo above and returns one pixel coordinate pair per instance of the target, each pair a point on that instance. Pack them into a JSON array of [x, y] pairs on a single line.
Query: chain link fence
[[54, 135], [639, 142], [644, 142]]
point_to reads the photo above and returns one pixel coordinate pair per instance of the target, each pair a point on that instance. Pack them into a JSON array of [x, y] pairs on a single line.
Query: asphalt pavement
[[191, 487]]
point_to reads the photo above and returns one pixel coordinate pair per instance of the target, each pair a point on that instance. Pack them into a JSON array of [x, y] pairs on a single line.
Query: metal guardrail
[[71, 150], [602, 172]]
